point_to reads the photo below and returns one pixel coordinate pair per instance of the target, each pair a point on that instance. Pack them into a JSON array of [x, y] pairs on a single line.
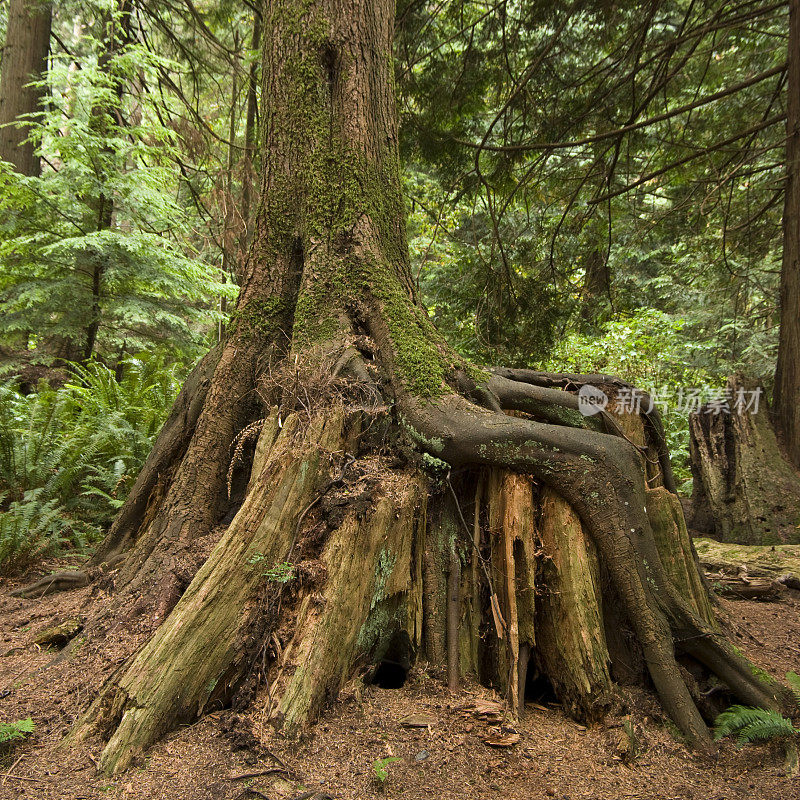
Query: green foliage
[[647, 347], [380, 767], [282, 572], [502, 238], [493, 310], [101, 239], [504, 235], [750, 724], [68, 456], [32, 526], [753, 725], [11, 731], [657, 352]]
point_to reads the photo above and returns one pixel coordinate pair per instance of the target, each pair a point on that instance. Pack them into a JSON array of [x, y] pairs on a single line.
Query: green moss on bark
[[257, 316], [345, 204]]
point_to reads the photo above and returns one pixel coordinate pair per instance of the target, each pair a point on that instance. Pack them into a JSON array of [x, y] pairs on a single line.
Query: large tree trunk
[[744, 489], [24, 60], [348, 543], [786, 401]]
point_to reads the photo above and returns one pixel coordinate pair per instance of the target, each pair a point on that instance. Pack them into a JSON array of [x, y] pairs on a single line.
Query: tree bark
[[250, 165], [786, 402], [571, 640], [596, 284], [24, 60]]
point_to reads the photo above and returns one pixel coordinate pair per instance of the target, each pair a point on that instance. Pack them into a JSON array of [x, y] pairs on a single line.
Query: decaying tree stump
[[400, 504], [745, 490]]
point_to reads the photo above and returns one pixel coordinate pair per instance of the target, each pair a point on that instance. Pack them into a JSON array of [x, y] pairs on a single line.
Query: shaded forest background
[[600, 185]]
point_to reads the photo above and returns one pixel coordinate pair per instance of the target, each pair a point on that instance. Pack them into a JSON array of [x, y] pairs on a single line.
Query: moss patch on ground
[[773, 560]]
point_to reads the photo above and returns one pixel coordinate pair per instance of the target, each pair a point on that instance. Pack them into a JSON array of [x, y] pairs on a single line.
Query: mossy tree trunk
[[410, 506]]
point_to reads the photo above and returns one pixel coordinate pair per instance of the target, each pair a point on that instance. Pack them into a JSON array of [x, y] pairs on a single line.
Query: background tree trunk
[[596, 285], [786, 403], [24, 60]]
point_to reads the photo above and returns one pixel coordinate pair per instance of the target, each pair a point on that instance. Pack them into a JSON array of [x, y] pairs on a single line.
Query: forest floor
[[437, 737]]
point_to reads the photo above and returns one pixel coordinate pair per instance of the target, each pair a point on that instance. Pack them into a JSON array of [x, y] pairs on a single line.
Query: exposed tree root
[[453, 617], [369, 590], [50, 584], [204, 651], [602, 478], [68, 579], [309, 581]]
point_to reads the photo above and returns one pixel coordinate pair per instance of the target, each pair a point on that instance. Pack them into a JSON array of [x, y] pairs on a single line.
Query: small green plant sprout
[[380, 767], [282, 572], [10, 731], [751, 724]]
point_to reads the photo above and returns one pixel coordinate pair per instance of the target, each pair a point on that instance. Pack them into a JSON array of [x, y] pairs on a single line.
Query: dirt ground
[[436, 739]]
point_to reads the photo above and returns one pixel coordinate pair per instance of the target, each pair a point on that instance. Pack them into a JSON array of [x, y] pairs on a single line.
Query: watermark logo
[[713, 401], [591, 400]]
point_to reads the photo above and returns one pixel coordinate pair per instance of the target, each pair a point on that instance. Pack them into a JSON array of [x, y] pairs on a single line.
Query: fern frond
[[771, 726], [16, 730], [733, 719], [793, 679], [752, 724], [68, 455]]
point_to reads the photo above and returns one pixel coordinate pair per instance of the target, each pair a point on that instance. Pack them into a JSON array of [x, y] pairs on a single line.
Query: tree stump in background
[[745, 490]]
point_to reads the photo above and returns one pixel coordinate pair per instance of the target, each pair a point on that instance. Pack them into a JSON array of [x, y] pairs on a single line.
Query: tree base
[[339, 561]]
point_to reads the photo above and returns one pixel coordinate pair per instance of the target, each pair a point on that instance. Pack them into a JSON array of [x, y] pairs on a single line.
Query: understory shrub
[[69, 455]]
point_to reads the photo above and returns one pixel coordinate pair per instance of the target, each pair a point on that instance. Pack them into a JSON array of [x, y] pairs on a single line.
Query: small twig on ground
[[276, 759], [258, 773], [12, 768]]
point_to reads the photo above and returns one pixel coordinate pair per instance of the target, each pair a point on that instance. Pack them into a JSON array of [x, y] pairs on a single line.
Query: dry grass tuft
[[305, 382]]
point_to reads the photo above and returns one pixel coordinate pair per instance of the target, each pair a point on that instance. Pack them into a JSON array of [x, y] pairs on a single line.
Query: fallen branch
[[257, 774], [68, 579], [747, 588]]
